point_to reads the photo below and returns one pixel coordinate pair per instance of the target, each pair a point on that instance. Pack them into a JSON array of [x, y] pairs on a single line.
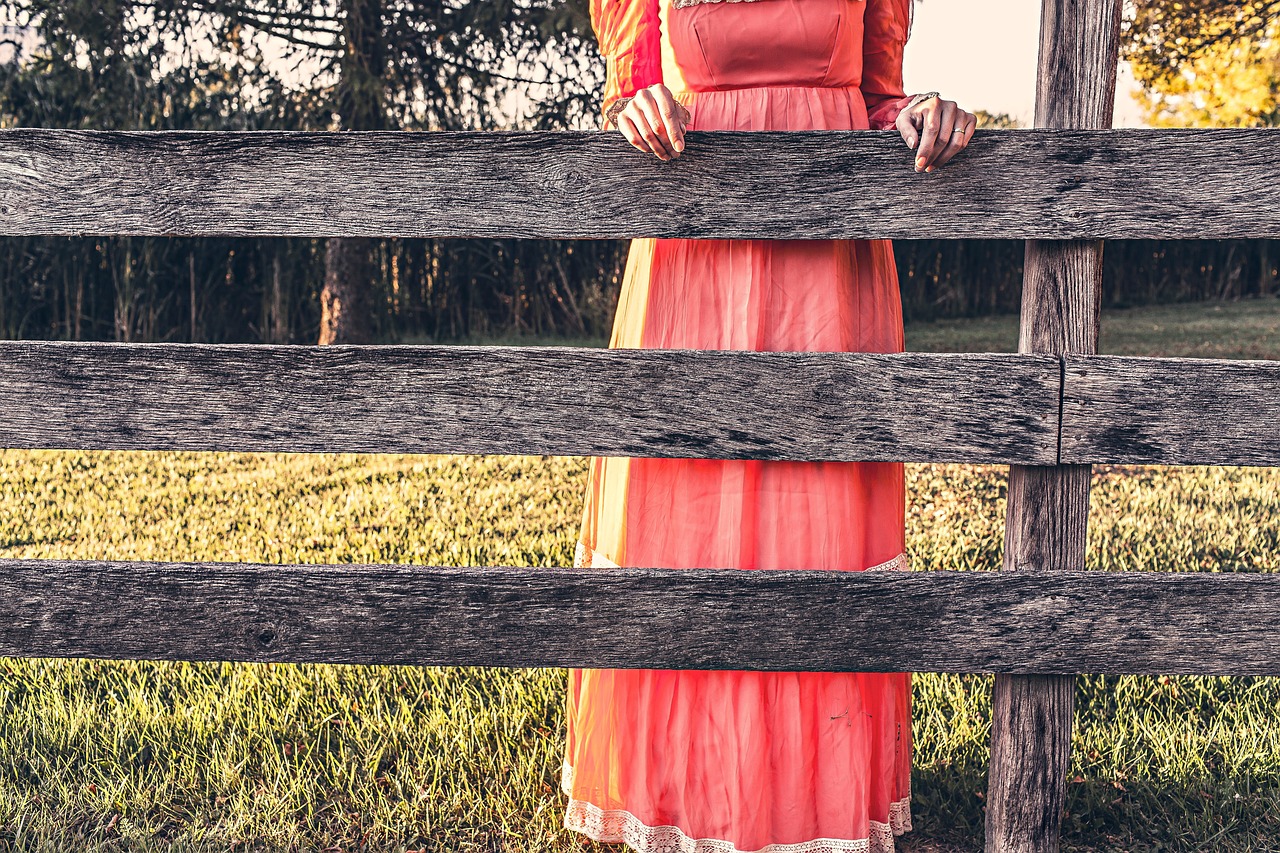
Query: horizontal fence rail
[[530, 400], [1172, 411], [1015, 622], [1024, 184], [995, 408]]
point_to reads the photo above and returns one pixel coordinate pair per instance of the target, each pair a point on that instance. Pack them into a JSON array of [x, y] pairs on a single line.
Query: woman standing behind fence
[[731, 760]]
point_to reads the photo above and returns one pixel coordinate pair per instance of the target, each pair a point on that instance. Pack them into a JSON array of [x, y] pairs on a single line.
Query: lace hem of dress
[[585, 557], [621, 826]]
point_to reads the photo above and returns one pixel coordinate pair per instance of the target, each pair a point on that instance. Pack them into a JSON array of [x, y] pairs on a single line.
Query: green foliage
[[354, 64], [968, 278], [1206, 63], [207, 756], [1247, 328], [1164, 35], [288, 64], [996, 120]]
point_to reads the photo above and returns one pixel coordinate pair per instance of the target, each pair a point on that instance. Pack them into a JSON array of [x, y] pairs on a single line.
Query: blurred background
[[171, 755], [532, 64]]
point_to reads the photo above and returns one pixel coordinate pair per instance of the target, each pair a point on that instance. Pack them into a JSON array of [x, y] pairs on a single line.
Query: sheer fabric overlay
[[672, 761], [621, 826]]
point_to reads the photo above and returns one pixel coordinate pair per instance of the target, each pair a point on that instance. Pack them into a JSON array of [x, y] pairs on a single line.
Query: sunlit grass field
[[219, 756]]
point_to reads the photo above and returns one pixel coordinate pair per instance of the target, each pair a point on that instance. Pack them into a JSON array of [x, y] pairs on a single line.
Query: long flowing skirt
[[726, 761]]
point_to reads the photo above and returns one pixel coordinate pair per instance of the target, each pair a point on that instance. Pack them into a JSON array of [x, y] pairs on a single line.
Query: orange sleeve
[[885, 28], [629, 34]]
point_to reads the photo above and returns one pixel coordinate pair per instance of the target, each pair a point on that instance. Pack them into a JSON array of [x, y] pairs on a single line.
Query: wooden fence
[[1048, 412]]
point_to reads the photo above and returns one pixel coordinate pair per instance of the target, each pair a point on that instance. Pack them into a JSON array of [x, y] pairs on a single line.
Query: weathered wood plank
[[1045, 531], [1044, 184], [1171, 411], [1048, 510], [530, 400], [892, 621]]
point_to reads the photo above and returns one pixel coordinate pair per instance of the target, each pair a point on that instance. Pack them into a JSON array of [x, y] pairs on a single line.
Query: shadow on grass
[[1103, 815]]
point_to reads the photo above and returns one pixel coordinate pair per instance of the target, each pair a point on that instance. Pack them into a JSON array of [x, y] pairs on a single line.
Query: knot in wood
[[569, 180]]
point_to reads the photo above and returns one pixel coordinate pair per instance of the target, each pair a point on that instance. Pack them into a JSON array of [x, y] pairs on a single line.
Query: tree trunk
[[1265, 277], [191, 285], [344, 301], [278, 312]]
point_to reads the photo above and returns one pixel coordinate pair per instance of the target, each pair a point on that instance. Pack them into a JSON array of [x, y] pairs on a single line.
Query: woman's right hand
[[654, 122]]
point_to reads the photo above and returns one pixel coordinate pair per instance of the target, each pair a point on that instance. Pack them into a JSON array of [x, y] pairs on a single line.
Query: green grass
[[1248, 328], [154, 755]]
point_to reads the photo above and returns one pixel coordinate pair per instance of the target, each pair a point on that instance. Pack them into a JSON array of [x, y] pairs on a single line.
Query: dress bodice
[[733, 45], [700, 47]]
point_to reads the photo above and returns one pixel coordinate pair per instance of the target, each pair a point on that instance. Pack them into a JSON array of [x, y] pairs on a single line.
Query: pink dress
[[725, 761]]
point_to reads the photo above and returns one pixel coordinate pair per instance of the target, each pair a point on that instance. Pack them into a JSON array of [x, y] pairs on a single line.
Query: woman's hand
[[654, 122], [941, 129]]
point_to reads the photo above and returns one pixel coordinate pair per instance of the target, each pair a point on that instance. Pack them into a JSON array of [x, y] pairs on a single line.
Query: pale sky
[[982, 54]]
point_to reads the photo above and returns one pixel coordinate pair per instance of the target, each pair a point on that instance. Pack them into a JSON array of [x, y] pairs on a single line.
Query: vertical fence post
[[1048, 508]]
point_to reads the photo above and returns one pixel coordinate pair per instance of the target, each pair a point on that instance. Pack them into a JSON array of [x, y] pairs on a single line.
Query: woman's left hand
[[940, 128]]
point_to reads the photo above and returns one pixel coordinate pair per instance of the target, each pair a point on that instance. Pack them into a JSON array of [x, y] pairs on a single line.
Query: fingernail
[[679, 144], [919, 163]]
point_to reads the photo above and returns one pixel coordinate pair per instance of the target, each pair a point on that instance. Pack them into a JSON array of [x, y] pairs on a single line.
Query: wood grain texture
[[1044, 184], [1061, 296], [529, 400], [1029, 759], [994, 408], [1045, 531], [1171, 411], [1076, 77], [889, 621], [1048, 509]]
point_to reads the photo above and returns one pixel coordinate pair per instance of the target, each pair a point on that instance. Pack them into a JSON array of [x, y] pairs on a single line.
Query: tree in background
[[399, 64], [430, 64], [1206, 63], [287, 64], [87, 64], [1002, 121], [1212, 63]]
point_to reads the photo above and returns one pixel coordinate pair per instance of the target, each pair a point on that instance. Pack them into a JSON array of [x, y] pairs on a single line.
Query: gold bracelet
[[611, 114], [918, 98]]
